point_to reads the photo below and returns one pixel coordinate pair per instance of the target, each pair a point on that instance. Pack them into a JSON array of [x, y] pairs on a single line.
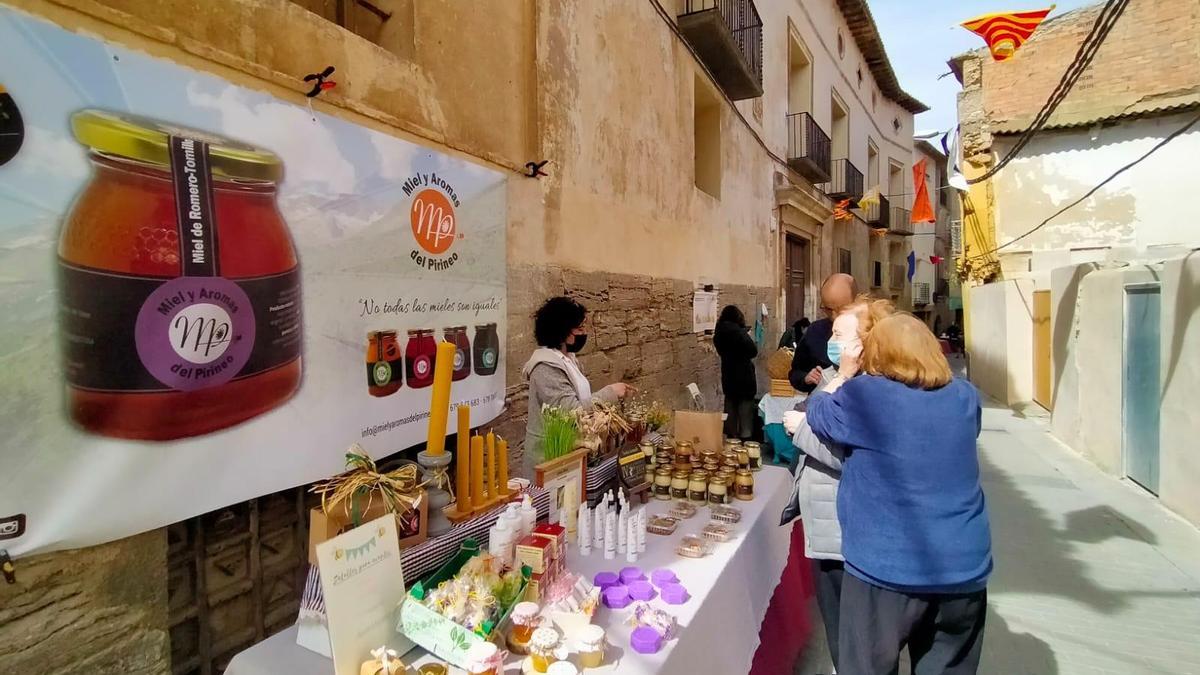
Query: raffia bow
[[384, 656], [400, 489]]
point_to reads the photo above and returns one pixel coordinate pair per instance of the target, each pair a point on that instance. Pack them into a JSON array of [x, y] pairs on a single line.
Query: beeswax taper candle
[[439, 406], [502, 458], [478, 496], [462, 483], [491, 464]]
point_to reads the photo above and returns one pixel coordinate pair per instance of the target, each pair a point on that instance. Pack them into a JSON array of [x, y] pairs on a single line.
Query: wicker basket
[[781, 388]]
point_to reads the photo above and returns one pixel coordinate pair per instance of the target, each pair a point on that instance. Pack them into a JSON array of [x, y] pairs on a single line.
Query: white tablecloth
[[771, 408], [718, 627]]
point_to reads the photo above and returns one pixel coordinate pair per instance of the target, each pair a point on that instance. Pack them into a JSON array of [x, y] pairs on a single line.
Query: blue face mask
[[834, 352]]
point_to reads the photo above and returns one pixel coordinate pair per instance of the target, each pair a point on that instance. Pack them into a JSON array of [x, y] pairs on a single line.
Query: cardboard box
[[703, 429], [535, 552], [325, 526], [556, 534]]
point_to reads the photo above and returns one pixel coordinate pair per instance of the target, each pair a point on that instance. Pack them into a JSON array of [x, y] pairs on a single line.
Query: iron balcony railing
[[727, 34], [845, 182], [901, 220], [809, 147], [878, 214]]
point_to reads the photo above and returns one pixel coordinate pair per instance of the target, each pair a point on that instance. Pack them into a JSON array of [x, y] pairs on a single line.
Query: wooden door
[[796, 273], [1043, 364]]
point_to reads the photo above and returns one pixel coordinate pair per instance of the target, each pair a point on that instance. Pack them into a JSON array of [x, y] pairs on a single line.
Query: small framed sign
[[556, 474], [631, 469]]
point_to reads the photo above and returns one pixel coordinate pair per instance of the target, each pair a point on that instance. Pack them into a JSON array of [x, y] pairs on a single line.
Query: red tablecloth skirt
[[787, 627]]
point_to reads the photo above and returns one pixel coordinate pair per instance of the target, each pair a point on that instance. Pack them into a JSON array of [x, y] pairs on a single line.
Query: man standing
[[812, 356]]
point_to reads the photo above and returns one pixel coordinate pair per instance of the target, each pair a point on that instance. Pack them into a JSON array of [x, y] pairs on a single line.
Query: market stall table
[[731, 590]]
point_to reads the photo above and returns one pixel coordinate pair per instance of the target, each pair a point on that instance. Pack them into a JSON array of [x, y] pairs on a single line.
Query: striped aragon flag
[[1005, 32]]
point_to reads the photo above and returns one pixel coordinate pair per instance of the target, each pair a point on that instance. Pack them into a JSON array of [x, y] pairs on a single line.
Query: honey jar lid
[[147, 140]]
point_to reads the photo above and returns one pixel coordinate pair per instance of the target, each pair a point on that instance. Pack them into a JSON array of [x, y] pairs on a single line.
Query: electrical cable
[[1175, 134], [1107, 18]]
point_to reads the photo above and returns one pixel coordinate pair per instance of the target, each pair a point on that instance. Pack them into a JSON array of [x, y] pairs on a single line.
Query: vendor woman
[[553, 373]]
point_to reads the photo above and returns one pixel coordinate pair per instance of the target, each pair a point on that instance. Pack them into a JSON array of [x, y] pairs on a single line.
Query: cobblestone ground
[[1092, 575]]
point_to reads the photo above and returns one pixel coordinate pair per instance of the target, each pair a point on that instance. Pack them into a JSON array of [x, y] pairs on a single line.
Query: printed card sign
[[363, 586], [209, 292]]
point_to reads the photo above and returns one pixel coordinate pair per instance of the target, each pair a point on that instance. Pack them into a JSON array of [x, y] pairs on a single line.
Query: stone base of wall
[[95, 610], [640, 333]]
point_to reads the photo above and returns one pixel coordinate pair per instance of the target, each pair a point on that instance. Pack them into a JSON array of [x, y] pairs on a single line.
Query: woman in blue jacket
[[915, 533]]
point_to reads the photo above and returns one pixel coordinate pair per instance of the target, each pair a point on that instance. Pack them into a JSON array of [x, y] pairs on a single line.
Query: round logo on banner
[[382, 373], [460, 359], [489, 357], [433, 221], [195, 332], [421, 366]]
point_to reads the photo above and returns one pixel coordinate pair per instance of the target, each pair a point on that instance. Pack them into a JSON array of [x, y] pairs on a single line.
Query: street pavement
[[1093, 574]]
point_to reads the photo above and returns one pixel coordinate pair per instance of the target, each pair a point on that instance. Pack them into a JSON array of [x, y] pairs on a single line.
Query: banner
[[208, 293]]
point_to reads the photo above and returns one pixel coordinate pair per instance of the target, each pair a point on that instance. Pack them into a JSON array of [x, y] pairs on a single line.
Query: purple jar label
[[195, 332]]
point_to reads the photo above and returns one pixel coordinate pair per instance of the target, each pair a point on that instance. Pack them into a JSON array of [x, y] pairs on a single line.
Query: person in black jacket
[[792, 335], [737, 351], [812, 349]]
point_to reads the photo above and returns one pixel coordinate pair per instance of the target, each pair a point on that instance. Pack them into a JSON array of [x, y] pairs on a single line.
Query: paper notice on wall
[[363, 585], [704, 311]]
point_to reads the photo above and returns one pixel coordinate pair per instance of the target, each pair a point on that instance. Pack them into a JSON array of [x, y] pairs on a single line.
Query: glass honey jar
[[743, 459], [662, 483], [680, 481], [744, 485], [717, 492], [684, 449], [698, 487], [754, 450]]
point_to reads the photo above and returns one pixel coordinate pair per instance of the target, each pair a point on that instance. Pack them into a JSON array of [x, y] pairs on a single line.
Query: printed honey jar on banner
[[179, 286], [385, 365], [462, 351]]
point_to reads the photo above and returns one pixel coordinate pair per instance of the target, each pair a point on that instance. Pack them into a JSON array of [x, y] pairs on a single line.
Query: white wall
[[817, 24], [1142, 208], [1002, 341], [1180, 431]]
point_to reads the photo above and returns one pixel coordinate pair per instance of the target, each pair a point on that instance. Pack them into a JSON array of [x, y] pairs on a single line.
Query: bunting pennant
[[922, 209], [912, 264], [936, 259], [871, 198], [952, 144], [841, 210], [1005, 32]]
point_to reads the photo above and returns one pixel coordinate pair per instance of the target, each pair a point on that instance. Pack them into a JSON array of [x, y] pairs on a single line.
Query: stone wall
[[95, 610], [640, 332]]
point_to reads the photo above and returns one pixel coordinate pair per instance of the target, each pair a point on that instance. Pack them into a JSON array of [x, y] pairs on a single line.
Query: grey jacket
[[814, 495], [550, 385]]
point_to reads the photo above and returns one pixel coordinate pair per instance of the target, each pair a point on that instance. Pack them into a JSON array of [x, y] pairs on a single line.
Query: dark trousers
[[943, 633], [739, 418], [828, 577]]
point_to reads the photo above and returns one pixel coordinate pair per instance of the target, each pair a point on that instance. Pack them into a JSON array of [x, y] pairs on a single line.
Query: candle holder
[[437, 496]]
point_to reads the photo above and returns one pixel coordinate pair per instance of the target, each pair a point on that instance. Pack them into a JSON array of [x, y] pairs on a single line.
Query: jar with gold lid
[[744, 485], [662, 483], [743, 459], [754, 450], [680, 481], [717, 490], [707, 456], [698, 487], [684, 449], [649, 450], [711, 468]]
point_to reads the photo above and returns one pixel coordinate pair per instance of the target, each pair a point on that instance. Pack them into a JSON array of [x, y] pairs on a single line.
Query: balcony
[[809, 148], [879, 215], [845, 182], [727, 34], [901, 221]]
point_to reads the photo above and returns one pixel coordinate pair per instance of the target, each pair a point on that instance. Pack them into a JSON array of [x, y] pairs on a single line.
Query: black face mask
[[580, 341]]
